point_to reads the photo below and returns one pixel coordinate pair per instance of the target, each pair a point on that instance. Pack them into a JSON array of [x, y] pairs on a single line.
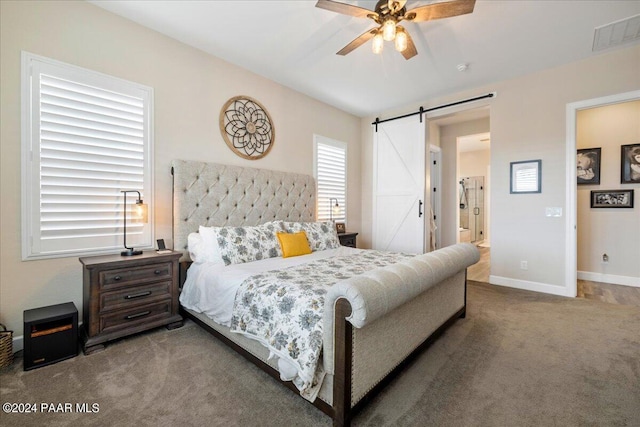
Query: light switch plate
[[553, 212]]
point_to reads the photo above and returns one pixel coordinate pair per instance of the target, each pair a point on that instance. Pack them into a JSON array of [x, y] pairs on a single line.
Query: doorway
[[571, 224], [473, 182], [474, 166]]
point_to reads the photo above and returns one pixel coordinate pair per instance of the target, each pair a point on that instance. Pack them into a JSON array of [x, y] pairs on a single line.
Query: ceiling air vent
[[617, 33]]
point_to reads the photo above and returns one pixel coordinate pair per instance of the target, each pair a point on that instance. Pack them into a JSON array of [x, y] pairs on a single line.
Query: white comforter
[[211, 288]]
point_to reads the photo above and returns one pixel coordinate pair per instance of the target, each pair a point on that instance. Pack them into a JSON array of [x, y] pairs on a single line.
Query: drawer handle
[[133, 316], [138, 295], [116, 278], [157, 272]]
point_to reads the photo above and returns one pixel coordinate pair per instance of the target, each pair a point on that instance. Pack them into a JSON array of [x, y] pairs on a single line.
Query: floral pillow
[[321, 235], [246, 244]]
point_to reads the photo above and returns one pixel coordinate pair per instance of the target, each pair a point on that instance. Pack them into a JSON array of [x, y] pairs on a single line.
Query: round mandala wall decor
[[247, 127]]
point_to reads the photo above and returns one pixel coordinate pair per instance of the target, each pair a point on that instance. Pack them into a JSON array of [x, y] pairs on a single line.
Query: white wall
[[615, 232], [190, 89], [528, 121]]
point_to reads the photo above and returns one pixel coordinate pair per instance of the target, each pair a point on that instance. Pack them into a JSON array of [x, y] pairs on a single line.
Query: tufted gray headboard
[[212, 194]]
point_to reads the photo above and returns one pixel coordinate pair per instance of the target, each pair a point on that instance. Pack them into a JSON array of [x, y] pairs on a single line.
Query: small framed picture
[[588, 166], [612, 198], [630, 164], [340, 227], [526, 177]]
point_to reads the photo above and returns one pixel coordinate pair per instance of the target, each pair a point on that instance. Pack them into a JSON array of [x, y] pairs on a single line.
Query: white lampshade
[[335, 209], [141, 212], [378, 43], [389, 29], [401, 39]]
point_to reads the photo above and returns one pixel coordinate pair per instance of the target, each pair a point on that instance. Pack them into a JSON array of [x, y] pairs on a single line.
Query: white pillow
[[195, 247], [206, 247]]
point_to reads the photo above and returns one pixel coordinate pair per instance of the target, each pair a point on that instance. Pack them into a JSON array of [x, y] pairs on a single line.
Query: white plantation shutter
[[525, 177], [87, 136], [331, 177]]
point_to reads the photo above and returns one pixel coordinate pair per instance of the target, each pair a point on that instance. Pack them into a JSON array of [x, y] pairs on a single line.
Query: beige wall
[[190, 89], [528, 121], [615, 232], [474, 163]]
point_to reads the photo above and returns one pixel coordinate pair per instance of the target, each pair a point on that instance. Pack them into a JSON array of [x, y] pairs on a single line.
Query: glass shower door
[[472, 206]]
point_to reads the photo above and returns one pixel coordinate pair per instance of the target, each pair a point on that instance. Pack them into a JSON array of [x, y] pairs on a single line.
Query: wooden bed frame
[[218, 195]]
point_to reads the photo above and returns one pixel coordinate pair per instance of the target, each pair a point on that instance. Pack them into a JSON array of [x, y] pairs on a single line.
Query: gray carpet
[[518, 359]]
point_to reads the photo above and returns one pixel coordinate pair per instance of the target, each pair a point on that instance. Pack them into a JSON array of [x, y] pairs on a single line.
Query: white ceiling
[[294, 44], [477, 142]]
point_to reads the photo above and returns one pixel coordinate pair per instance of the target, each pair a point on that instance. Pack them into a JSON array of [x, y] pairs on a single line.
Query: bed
[[372, 324]]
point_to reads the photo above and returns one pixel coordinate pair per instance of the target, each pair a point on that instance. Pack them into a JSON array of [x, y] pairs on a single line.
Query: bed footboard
[[372, 344]]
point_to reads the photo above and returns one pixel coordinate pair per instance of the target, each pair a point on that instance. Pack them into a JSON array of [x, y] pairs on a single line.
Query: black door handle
[[419, 208]]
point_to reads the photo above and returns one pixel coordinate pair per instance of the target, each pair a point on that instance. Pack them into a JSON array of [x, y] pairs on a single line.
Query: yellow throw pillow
[[294, 244]]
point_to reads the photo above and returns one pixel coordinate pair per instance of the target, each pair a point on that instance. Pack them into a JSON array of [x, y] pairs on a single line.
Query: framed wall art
[[526, 177], [630, 164], [612, 198], [588, 166], [247, 128]]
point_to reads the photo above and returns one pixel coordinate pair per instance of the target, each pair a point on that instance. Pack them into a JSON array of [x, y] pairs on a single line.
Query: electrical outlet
[[524, 265]]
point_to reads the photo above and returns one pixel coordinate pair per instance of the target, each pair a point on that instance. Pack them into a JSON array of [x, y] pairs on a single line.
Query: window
[[331, 178], [86, 137]]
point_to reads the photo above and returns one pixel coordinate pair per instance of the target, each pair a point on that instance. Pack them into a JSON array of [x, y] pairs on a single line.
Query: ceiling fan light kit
[[401, 39], [389, 29], [378, 43], [388, 14]]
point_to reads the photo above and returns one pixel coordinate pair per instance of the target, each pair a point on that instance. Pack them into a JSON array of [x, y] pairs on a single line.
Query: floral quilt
[[283, 310]]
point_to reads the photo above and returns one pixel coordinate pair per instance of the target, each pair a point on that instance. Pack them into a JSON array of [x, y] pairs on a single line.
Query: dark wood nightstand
[[126, 295], [348, 239]]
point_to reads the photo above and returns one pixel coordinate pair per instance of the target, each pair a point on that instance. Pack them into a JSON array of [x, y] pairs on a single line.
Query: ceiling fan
[[388, 14]]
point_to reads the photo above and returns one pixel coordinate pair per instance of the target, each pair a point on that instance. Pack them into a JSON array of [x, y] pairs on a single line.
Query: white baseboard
[[18, 343], [609, 278], [529, 286]]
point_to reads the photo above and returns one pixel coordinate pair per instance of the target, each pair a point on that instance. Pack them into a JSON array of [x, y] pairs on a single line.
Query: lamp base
[[130, 252]]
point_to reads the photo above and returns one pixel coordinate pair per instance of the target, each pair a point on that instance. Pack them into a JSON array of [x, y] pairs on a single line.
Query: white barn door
[[399, 185]]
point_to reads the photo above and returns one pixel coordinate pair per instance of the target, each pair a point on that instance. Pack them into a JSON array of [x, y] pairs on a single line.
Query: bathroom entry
[[471, 197]]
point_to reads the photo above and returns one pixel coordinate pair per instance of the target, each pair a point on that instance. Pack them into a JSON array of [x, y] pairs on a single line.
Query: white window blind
[[86, 137], [331, 178]]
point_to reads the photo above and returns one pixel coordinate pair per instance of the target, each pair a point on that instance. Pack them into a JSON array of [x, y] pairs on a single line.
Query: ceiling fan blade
[[440, 10], [358, 41], [410, 51], [345, 9]]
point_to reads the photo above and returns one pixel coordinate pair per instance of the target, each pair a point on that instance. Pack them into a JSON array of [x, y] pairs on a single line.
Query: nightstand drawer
[[110, 279], [134, 295], [348, 239], [124, 319]]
